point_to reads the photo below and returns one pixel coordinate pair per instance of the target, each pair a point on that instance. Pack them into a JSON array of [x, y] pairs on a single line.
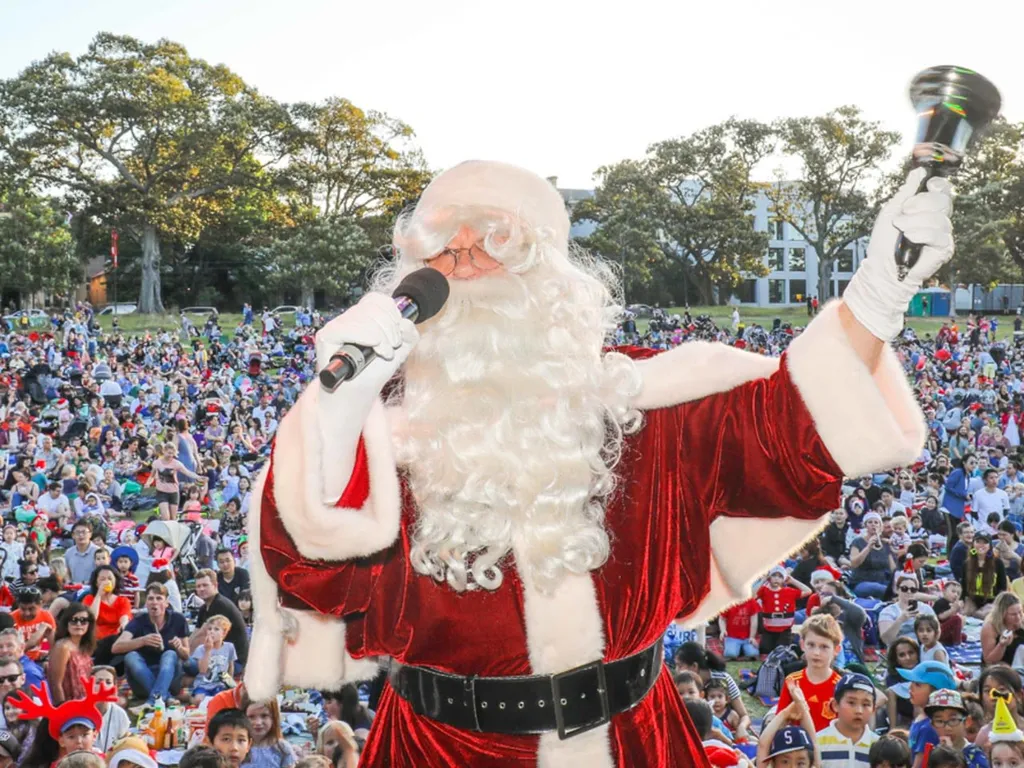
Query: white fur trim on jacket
[[868, 422], [322, 532], [291, 647], [564, 629]]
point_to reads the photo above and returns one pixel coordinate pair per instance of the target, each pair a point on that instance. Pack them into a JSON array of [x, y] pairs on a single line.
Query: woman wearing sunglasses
[[71, 657], [897, 620]]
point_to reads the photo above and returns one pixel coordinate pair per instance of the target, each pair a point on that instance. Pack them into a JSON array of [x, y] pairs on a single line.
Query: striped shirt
[[838, 751]]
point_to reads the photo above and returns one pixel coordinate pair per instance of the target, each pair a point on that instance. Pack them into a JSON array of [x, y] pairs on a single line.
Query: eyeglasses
[[906, 590], [10, 678], [952, 722], [79, 620], [446, 261]]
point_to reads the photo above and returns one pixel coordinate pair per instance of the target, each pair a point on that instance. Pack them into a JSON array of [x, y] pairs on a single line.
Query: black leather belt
[[570, 702]]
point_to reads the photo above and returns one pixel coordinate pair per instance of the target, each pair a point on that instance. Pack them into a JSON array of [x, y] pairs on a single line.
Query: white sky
[[560, 86]]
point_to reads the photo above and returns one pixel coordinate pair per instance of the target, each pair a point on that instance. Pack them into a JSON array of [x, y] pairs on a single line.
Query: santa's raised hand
[[876, 296]]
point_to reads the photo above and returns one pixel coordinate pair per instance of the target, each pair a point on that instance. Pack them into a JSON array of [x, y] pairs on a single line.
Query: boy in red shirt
[[778, 598], [820, 638], [738, 627]]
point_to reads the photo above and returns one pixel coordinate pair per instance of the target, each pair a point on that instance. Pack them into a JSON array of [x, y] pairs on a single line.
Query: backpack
[[768, 682]]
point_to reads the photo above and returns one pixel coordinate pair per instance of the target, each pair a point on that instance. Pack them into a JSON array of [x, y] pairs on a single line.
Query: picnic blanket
[[968, 654]]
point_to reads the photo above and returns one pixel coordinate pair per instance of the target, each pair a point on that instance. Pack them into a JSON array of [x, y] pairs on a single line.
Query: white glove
[[374, 322], [876, 296]]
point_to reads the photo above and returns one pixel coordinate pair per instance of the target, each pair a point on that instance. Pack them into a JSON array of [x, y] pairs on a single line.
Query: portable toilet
[[941, 304], [917, 305]]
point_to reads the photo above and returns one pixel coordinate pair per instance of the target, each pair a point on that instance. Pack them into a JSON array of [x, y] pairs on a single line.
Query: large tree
[[349, 162], [144, 136], [37, 254], [329, 253], [988, 214], [834, 200], [688, 203]]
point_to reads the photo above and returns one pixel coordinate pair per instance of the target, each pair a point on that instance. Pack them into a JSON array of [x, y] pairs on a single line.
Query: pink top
[[167, 474]]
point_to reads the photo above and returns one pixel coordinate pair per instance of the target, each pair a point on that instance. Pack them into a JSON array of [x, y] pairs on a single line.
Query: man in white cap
[[461, 507]]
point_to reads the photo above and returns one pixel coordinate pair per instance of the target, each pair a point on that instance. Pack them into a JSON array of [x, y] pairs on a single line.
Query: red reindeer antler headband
[[70, 712]]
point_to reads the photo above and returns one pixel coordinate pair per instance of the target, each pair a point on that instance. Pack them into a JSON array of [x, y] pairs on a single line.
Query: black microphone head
[[427, 288]]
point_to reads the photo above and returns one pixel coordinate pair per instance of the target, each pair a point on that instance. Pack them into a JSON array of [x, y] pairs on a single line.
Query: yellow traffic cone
[[1004, 728]]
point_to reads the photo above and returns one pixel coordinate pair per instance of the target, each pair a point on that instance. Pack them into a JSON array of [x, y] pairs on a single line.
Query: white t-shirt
[[50, 506], [892, 613], [985, 502]]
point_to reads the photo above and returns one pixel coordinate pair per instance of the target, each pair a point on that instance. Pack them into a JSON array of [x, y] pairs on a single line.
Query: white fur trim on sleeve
[[324, 532], [698, 369], [867, 422], [290, 647], [564, 630]]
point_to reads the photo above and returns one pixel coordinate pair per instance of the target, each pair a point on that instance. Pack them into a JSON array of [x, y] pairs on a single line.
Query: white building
[[792, 262]]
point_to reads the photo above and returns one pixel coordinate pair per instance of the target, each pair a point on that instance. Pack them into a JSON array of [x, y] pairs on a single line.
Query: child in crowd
[[899, 540], [269, 749], [718, 752], [778, 598], [215, 658], [889, 751], [902, 656], [230, 733], [847, 740], [126, 560], [245, 606], [12, 552], [717, 696], [115, 725], [820, 637], [789, 746], [925, 679], [194, 502], [738, 629], [947, 713], [203, 757], [690, 687], [948, 609], [918, 533], [927, 630]]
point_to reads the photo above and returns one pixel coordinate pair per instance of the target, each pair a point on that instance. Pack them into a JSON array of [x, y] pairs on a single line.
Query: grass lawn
[[136, 323], [797, 316]]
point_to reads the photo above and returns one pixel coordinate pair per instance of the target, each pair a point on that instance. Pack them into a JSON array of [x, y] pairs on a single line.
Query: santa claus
[[512, 514]]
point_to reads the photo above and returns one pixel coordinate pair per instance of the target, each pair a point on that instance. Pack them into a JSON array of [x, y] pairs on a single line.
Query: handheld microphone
[[418, 297]]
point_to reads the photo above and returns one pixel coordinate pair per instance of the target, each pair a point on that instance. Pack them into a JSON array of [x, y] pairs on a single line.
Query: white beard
[[512, 429]]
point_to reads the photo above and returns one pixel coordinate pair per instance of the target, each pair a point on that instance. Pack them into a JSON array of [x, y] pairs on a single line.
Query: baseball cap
[[9, 743], [792, 738], [944, 699], [853, 681], [933, 673]]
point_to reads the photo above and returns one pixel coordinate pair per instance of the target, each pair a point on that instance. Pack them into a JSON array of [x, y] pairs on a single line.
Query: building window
[[845, 261], [746, 292], [776, 291], [775, 259], [797, 260], [797, 291], [842, 286], [777, 229]]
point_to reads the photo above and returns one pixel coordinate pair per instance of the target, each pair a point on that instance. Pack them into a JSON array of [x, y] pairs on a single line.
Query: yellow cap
[[1004, 728]]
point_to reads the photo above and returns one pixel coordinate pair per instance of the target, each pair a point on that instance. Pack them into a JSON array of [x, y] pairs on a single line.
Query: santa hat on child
[[68, 714], [161, 564]]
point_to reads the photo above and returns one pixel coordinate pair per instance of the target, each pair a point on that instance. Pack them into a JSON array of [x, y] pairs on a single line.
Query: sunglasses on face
[[79, 620], [9, 678], [906, 590]]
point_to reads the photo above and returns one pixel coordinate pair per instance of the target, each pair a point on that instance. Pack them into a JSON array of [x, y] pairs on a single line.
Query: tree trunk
[[149, 292], [306, 296], [824, 279]]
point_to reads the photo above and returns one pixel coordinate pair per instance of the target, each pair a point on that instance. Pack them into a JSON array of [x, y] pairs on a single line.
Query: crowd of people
[[126, 467], [126, 461]]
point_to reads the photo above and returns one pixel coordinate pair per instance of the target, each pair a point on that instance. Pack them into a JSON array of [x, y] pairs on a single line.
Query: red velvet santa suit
[[738, 460]]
